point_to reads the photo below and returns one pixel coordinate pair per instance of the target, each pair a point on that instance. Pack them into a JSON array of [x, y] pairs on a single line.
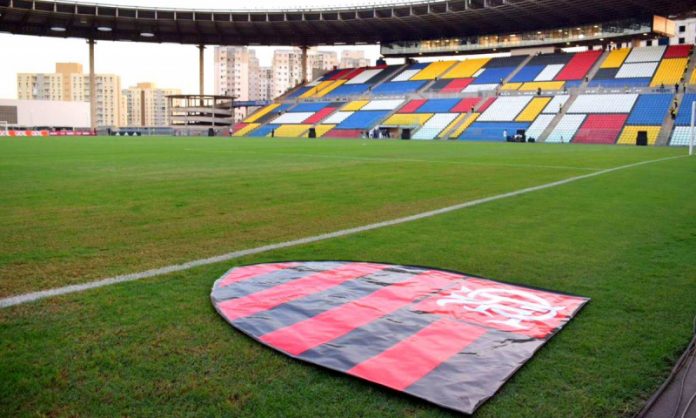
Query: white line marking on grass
[[34, 296]]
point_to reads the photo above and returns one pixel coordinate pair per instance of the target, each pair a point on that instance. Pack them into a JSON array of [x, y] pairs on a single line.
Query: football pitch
[[75, 210]]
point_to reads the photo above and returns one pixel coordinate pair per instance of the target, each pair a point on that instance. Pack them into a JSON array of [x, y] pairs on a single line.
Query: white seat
[[505, 109], [603, 103], [566, 128]]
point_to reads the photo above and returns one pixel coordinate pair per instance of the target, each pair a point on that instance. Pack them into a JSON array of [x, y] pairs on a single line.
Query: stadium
[[496, 218]]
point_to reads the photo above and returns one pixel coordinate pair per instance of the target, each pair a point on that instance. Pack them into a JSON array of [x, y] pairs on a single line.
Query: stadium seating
[[398, 88], [437, 105], [291, 131], [435, 125], [474, 75], [603, 103], [362, 120], [433, 70], [539, 126], [469, 119], [594, 119], [641, 67], [491, 131], [553, 71], [566, 128], [411, 120], [505, 109], [600, 129], [682, 123], [353, 101], [648, 115]]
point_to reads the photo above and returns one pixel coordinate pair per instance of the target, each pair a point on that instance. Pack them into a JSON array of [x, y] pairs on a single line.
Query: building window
[[682, 41], [682, 29]]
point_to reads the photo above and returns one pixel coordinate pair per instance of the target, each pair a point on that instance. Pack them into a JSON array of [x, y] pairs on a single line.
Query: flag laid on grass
[[442, 336]]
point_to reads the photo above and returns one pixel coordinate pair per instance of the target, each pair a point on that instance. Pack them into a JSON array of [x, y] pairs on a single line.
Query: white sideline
[[34, 296]]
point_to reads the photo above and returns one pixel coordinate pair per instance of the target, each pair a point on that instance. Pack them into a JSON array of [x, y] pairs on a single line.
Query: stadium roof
[[382, 23]]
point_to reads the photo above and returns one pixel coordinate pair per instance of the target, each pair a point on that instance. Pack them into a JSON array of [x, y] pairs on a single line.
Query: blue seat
[[438, 106], [263, 130], [684, 115], [650, 109], [493, 75], [491, 131], [396, 88], [363, 120], [309, 107], [299, 92], [349, 90], [528, 73]]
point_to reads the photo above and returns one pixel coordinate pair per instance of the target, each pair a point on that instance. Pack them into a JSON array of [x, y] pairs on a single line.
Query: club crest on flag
[[403, 327], [518, 306]]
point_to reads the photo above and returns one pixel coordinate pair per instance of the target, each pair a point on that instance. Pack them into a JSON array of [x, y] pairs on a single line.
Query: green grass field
[[77, 209]]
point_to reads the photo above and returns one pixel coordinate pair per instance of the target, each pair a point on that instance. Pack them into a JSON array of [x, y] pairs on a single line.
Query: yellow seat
[[463, 127], [261, 113], [533, 109], [669, 72], [316, 89], [628, 136], [355, 105], [511, 86], [452, 124], [466, 69], [323, 129], [544, 85], [291, 131], [245, 130], [616, 58], [408, 119], [433, 70], [336, 84]]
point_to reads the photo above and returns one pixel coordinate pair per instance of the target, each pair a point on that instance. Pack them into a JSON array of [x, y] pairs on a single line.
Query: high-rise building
[[287, 67], [319, 62], [236, 75], [69, 83], [353, 59], [287, 70], [265, 83], [146, 105]]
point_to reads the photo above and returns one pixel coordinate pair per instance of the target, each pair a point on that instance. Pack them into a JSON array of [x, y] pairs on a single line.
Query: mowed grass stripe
[[157, 348], [34, 296], [75, 210]]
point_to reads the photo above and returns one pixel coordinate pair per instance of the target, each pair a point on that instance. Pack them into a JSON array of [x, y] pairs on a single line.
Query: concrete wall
[[44, 113]]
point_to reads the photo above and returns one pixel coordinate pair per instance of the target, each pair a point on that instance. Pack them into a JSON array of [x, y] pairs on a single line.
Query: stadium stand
[[648, 115], [682, 123], [474, 75], [566, 128], [594, 118], [553, 71], [641, 67], [479, 113]]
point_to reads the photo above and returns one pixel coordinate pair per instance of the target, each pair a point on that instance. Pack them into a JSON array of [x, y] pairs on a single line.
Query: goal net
[[4, 130]]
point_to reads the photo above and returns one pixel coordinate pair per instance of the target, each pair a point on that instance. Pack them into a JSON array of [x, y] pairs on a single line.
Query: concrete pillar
[[201, 74], [304, 63], [92, 88]]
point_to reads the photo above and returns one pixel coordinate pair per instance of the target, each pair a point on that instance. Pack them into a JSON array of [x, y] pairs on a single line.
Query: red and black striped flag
[[445, 337]]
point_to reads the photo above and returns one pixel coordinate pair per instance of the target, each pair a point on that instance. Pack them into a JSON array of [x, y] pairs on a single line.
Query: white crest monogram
[[516, 305]]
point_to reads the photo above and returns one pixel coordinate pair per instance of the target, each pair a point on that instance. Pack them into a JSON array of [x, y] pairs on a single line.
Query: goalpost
[[4, 130]]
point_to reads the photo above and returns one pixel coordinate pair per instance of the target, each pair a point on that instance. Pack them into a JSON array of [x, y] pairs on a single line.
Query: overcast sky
[[170, 65]]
